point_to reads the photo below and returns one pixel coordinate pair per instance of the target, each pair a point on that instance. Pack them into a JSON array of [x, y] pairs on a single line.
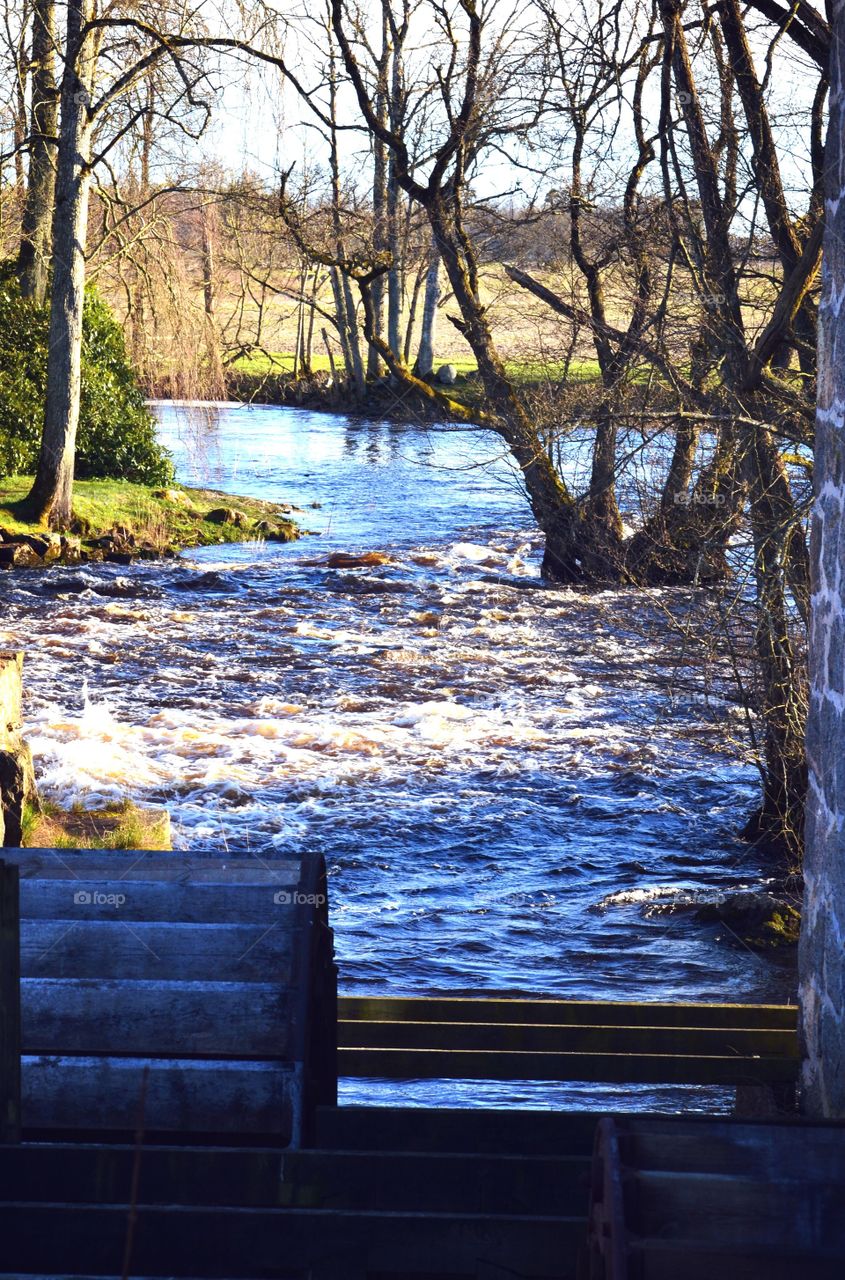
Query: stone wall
[[17, 780], [822, 949]]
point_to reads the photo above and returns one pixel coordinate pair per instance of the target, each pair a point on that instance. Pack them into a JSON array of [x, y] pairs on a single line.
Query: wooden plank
[[368, 1181], [219, 1242], [144, 949], [189, 903], [730, 1210], [567, 1133], [437, 1064], [534, 1037], [97, 1093], [56, 860], [816, 1154], [702, 1259], [567, 1012], [148, 867], [10, 1013], [111, 1016]]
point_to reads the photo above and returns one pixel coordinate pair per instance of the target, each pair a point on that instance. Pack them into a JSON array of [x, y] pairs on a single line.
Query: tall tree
[[52, 492], [84, 103], [37, 218]]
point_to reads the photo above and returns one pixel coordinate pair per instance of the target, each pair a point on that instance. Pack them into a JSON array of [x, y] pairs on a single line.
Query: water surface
[[509, 781]]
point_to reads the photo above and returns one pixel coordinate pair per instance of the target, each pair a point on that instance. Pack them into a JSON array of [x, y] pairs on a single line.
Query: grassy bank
[[156, 520]]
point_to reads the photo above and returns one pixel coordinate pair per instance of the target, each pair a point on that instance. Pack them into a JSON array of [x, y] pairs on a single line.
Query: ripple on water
[[497, 775]]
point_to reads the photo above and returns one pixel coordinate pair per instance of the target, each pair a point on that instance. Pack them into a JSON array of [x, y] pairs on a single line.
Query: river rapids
[[509, 780]]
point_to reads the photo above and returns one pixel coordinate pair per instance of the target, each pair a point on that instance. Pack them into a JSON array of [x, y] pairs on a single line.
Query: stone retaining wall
[[17, 778]]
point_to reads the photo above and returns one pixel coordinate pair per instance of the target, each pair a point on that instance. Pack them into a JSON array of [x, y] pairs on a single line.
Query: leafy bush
[[116, 436]]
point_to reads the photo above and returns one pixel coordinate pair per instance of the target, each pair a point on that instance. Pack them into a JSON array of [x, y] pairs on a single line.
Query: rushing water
[[508, 780]]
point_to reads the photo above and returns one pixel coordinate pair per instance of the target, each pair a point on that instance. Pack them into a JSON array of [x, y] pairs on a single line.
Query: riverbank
[[121, 522]]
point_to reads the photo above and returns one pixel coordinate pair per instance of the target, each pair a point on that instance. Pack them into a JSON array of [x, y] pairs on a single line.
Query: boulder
[[756, 919], [17, 787], [446, 375], [18, 555], [177, 496], [229, 515]]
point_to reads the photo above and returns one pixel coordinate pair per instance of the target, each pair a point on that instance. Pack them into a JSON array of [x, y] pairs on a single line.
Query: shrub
[[116, 436]]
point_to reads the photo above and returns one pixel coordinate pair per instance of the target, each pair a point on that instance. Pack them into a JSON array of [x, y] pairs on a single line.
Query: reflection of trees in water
[[195, 428], [375, 438]]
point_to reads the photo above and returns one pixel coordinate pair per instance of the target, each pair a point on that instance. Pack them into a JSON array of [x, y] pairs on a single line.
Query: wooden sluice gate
[[168, 1070]]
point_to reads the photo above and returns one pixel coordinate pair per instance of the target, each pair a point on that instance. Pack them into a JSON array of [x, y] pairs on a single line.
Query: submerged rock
[[757, 919]]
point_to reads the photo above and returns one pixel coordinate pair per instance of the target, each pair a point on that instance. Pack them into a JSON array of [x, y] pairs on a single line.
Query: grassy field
[[159, 518], [523, 372]]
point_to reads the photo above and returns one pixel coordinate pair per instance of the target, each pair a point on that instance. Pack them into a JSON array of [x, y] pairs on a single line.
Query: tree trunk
[[821, 951], [51, 495], [37, 217], [425, 355], [551, 503]]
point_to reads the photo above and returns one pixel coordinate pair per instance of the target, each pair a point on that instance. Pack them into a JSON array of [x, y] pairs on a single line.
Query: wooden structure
[[10, 1006], [675, 1197], [196, 989], [598, 1041]]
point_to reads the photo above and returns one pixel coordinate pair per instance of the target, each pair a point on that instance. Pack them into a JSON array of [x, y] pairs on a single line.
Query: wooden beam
[[449, 1064], [158, 1019], [95, 1093], [606, 1013], [537, 1038], [155, 950]]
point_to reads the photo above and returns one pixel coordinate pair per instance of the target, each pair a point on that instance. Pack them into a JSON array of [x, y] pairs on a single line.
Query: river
[[510, 782]]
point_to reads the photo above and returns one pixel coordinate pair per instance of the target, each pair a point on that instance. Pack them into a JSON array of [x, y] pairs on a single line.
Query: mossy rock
[[758, 920]]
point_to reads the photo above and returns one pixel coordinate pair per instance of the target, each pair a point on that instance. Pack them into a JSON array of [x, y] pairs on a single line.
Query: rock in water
[[756, 919], [447, 374]]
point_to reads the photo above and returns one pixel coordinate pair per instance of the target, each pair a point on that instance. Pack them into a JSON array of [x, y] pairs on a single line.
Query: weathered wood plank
[[569, 1012], [109, 1016], [98, 1093], [369, 1181], [10, 1014], [730, 1210], [155, 950], [131, 866], [330, 1244], [534, 1037], [349, 1128], [191, 903], [814, 1153], [450, 1064], [701, 1259]]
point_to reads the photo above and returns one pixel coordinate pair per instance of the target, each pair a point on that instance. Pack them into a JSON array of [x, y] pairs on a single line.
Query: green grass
[[526, 373], [174, 517], [122, 825]]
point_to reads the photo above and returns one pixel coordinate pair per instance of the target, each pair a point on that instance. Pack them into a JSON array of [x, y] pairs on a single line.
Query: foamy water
[[503, 776]]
